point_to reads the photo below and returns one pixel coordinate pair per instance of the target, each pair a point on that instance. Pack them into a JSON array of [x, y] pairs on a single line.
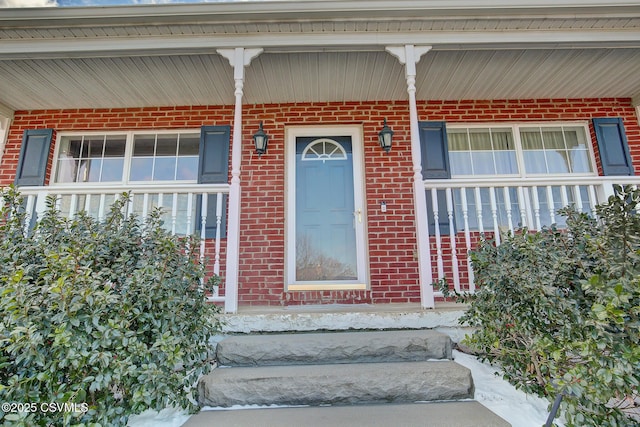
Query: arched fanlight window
[[324, 149]]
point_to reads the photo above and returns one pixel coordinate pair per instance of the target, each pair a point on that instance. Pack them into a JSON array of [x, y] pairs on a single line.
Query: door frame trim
[[357, 142]]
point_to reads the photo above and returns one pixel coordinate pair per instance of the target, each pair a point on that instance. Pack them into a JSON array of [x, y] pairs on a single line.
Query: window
[[91, 158], [517, 150], [489, 151], [170, 157], [132, 157], [555, 150], [324, 149]]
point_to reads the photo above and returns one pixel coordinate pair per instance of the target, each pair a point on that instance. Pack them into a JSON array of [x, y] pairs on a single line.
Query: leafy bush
[[108, 314], [560, 310]]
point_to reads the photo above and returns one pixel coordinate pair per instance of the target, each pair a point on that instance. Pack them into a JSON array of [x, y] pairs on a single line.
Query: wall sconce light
[[385, 135], [260, 138]]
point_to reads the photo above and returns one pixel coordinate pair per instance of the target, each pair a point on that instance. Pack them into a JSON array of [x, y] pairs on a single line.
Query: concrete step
[[337, 384], [335, 347], [440, 414]]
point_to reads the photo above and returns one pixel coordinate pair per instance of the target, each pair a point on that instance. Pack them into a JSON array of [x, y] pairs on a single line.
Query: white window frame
[[128, 156], [515, 128]]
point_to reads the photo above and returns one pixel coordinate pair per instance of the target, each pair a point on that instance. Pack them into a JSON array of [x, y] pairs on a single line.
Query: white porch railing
[[185, 210], [460, 210]]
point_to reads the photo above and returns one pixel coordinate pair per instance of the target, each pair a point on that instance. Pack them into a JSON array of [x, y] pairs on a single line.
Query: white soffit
[[318, 77], [131, 56], [512, 74]]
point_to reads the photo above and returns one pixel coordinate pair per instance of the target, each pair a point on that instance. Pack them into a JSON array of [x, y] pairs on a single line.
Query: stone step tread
[[333, 347], [437, 414], [336, 384]]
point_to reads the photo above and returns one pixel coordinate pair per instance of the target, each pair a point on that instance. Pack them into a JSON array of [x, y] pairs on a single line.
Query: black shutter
[[434, 150], [213, 168], [34, 154], [613, 146]]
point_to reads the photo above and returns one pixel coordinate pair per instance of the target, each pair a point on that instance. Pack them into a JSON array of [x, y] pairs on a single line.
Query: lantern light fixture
[[385, 135], [260, 138]]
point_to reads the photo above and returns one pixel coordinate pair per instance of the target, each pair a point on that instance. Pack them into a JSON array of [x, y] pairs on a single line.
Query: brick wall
[[391, 236], [112, 119], [388, 177], [541, 110]]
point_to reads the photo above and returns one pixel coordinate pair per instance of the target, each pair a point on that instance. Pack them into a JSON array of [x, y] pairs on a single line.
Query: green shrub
[[108, 314], [560, 310]]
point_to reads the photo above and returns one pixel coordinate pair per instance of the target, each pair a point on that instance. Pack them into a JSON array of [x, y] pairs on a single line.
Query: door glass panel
[[325, 229]]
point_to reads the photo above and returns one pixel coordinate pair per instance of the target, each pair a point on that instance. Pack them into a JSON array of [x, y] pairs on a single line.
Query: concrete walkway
[[441, 414]]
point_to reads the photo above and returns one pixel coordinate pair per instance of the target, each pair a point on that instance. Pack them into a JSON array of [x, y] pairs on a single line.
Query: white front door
[[325, 209]]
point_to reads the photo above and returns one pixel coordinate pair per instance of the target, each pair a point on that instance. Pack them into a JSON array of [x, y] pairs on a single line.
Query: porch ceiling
[[317, 51], [318, 76]]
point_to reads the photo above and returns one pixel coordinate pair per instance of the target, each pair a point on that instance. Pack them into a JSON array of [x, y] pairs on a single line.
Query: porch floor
[[333, 317]]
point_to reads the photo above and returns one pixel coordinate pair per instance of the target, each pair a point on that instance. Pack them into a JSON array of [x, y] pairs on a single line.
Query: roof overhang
[[281, 10], [293, 33]]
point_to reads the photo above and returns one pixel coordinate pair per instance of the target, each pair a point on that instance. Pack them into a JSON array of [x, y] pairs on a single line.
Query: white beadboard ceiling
[[166, 54], [318, 76]]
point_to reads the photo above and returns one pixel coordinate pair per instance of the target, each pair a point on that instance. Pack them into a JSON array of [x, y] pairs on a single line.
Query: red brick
[[391, 236]]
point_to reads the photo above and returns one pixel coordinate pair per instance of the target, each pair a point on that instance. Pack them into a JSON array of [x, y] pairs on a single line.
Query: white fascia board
[[307, 9], [146, 46]]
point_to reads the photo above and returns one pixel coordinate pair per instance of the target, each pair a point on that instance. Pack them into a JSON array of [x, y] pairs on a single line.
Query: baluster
[[101, 207], [189, 218], [203, 223], [494, 214], [160, 205], [523, 208], [436, 220], [189, 212], [174, 213], [73, 205], [31, 200], [452, 238], [564, 196], [40, 204], [552, 204], [130, 203], [145, 206], [58, 203], [592, 200], [467, 236], [87, 204], [507, 205], [536, 206], [479, 210], [576, 189], [216, 264]]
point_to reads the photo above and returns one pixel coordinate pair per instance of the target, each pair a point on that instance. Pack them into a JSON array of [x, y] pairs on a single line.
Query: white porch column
[[409, 55], [6, 115], [239, 58]]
